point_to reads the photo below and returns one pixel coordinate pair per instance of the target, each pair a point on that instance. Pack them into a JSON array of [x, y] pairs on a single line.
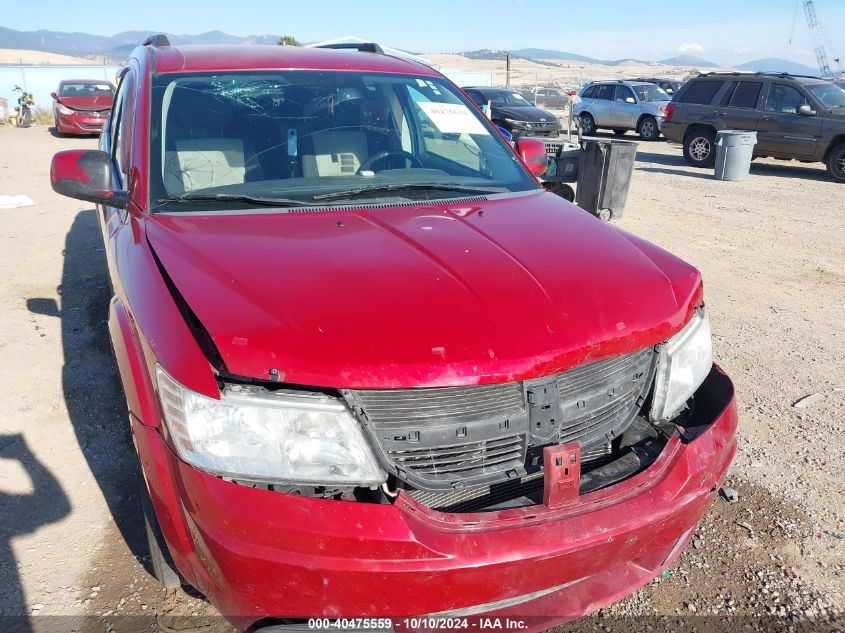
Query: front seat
[[336, 152], [200, 153], [341, 147]]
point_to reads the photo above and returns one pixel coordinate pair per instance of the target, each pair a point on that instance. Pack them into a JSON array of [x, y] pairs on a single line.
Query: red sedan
[[80, 106], [372, 368]]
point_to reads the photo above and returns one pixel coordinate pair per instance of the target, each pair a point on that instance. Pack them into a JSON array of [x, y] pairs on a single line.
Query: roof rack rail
[[364, 47], [762, 73], [159, 40]]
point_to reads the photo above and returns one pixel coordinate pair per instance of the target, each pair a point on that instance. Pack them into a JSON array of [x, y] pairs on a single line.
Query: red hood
[[94, 104], [422, 296]]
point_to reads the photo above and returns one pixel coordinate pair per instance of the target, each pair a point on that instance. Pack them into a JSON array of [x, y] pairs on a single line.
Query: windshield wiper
[[236, 197], [406, 186]]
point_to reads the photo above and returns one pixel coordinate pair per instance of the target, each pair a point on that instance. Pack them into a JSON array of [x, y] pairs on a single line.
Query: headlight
[[264, 436], [518, 124], [65, 110], [682, 366]]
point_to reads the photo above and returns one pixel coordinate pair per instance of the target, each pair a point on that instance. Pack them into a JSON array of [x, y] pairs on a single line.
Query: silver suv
[[622, 106]]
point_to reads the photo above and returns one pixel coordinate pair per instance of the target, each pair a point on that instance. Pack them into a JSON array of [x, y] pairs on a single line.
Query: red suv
[[373, 369]]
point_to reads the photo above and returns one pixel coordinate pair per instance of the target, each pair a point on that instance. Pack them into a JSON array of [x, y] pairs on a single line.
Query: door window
[[746, 94], [701, 92], [784, 99], [590, 93], [622, 93], [604, 92], [121, 125]]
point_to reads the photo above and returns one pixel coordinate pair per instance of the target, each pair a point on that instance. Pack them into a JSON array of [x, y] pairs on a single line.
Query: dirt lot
[[772, 254]]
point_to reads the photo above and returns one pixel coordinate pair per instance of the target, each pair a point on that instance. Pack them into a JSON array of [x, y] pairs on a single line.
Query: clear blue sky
[[725, 31]]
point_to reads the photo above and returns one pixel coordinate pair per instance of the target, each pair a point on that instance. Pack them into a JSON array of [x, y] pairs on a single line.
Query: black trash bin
[[604, 173]]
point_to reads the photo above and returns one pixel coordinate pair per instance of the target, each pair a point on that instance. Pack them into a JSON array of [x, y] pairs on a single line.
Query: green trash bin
[[604, 174], [734, 149]]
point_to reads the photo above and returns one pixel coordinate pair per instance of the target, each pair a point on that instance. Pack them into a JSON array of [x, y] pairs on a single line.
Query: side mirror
[[54, 95], [630, 100], [806, 110], [532, 151], [85, 174]]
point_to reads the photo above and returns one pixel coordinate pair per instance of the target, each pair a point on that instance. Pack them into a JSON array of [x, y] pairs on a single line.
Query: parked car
[[669, 86], [372, 367], [549, 96], [514, 112], [795, 117], [622, 106], [80, 106]]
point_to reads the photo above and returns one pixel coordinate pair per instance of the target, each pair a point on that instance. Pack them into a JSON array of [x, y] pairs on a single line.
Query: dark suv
[[795, 117]]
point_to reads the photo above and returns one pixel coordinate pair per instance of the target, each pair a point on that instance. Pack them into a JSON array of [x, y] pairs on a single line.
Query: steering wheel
[[388, 153]]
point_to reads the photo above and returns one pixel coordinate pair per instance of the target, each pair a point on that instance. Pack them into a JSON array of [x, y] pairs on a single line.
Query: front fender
[[131, 365]]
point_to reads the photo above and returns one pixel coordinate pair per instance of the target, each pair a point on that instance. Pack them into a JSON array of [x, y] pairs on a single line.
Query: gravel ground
[[771, 250]]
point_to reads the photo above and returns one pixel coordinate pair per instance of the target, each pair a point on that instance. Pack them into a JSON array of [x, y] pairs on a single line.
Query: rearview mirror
[[532, 151], [54, 95], [630, 100], [85, 174], [806, 110]]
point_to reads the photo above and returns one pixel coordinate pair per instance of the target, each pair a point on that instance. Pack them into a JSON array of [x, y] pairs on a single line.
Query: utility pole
[[508, 70]]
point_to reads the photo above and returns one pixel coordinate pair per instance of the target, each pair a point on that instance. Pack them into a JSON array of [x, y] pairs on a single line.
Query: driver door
[[781, 130], [623, 113]]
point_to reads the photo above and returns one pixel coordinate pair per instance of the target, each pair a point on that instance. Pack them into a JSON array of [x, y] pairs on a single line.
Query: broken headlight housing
[[259, 435], [683, 364]]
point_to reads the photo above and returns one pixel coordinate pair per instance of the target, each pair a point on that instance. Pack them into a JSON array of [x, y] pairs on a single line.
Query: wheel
[[561, 189], [618, 131], [648, 129], [588, 124], [605, 214], [836, 162], [25, 118], [700, 148], [162, 563]]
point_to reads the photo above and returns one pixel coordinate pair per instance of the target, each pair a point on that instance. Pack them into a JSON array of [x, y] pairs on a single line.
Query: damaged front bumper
[[261, 555]]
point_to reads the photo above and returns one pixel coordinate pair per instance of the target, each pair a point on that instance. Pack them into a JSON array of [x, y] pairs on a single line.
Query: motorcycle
[[23, 113]]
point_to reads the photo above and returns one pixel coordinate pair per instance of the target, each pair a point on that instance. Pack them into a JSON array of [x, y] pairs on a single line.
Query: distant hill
[[545, 53], [114, 47], [497, 54], [688, 60], [776, 65]]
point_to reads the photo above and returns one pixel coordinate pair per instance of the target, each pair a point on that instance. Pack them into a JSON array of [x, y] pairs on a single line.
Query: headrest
[[193, 107]]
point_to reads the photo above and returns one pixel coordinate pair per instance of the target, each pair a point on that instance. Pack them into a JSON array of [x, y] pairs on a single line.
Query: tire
[[562, 189], [836, 163], [588, 124], [25, 118], [648, 129], [619, 131], [700, 148], [160, 560]]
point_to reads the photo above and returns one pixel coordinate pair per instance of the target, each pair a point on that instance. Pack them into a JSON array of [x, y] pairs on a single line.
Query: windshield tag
[[452, 118]]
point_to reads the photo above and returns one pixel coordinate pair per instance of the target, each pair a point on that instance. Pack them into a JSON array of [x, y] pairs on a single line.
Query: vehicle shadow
[[678, 172], [792, 170], [660, 159], [92, 391], [23, 514]]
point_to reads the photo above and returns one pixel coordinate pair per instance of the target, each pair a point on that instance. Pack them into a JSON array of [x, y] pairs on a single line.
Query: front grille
[[451, 438], [487, 455], [93, 113], [613, 386], [386, 407]]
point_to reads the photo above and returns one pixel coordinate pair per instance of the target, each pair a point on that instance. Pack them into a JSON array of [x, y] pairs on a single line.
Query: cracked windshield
[[305, 138]]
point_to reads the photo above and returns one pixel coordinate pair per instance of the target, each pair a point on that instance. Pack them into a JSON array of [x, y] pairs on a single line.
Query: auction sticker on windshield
[[452, 118]]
